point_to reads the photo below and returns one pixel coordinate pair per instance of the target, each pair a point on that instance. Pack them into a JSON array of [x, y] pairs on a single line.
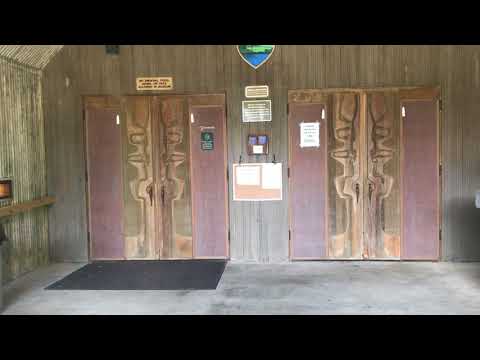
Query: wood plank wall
[[259, 231], [22, 158]]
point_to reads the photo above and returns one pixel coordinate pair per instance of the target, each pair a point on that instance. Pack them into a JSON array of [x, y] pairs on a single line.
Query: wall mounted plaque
[[155, 83], [255, 55], [256, 91], [256, 110]]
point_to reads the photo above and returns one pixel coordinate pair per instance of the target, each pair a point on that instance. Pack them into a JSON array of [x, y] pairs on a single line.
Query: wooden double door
[[157, 177], [371, 189]]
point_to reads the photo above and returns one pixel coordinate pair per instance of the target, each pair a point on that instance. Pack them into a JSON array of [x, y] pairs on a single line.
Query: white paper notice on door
[[272, 176], [309, 134], [248, 175]]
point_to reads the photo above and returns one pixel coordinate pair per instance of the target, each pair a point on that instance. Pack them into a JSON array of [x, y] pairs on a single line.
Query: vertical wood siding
[[22, 157], [259, 230]]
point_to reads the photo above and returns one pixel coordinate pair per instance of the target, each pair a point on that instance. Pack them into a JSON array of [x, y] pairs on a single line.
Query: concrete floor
[[292, 288]]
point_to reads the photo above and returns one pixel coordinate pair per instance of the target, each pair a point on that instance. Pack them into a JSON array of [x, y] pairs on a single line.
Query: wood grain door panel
[[209, 181], [382, 182], [421, 180], [104, 167], [308, 185], [138, 174], [172, 177], [345, 187]]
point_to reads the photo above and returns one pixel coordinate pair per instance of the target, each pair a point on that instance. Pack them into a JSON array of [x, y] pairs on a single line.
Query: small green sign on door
[[207, 140]]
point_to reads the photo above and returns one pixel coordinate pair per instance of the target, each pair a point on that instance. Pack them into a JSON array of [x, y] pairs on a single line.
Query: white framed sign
[[309, 134], [256, 110], [257, 182]]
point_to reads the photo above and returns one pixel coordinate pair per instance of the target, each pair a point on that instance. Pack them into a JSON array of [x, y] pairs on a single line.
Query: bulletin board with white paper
[[257, 182]]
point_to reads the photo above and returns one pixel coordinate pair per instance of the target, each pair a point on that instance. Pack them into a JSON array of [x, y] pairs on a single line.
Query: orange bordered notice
[[257, 182]]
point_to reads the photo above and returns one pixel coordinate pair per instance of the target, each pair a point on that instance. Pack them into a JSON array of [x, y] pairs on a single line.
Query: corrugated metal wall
[[260, 230], [22, 157], [36, 56]]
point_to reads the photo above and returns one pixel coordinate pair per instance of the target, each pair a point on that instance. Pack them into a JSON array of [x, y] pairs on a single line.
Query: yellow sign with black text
[[155, 83]]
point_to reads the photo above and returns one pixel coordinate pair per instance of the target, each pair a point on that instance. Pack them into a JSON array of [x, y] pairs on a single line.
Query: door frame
[[306, 96], [115, 102]]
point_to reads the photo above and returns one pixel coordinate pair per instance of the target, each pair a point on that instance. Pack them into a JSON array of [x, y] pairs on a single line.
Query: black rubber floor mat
[[144, 275]]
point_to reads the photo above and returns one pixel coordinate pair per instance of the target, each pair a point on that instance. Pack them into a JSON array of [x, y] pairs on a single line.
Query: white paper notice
[[257, 149], [310, 134], [272, 176], [248, 175]]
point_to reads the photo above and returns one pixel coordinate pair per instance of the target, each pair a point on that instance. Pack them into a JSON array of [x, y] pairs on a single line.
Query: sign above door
[[154, 83], [255, 55]]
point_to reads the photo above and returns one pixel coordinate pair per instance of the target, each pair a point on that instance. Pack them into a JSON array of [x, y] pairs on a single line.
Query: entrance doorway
[[370, 187], [169, 188]]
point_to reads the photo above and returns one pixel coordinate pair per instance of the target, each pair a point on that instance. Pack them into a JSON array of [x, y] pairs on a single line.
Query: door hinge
[[440, 104], [440, 170], [289, 235], [228, 176], [86, 176], [288, 109], [440, 234], [229, 235], [288, 172]]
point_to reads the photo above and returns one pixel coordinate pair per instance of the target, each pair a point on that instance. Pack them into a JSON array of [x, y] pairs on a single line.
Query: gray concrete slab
[[291, 288]]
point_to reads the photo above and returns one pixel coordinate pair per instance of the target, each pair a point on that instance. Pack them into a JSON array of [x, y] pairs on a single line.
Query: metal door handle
[[150, 193], [370, 190]]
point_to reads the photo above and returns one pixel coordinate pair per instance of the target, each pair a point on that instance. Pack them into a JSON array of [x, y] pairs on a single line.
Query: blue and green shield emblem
[[255, 55]]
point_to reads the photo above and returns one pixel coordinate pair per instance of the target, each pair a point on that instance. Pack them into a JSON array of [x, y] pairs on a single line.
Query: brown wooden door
[[104, 169], [371, 190], [420, 175], [190, 189], [308, 185], [325, 181], [208, 148]]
